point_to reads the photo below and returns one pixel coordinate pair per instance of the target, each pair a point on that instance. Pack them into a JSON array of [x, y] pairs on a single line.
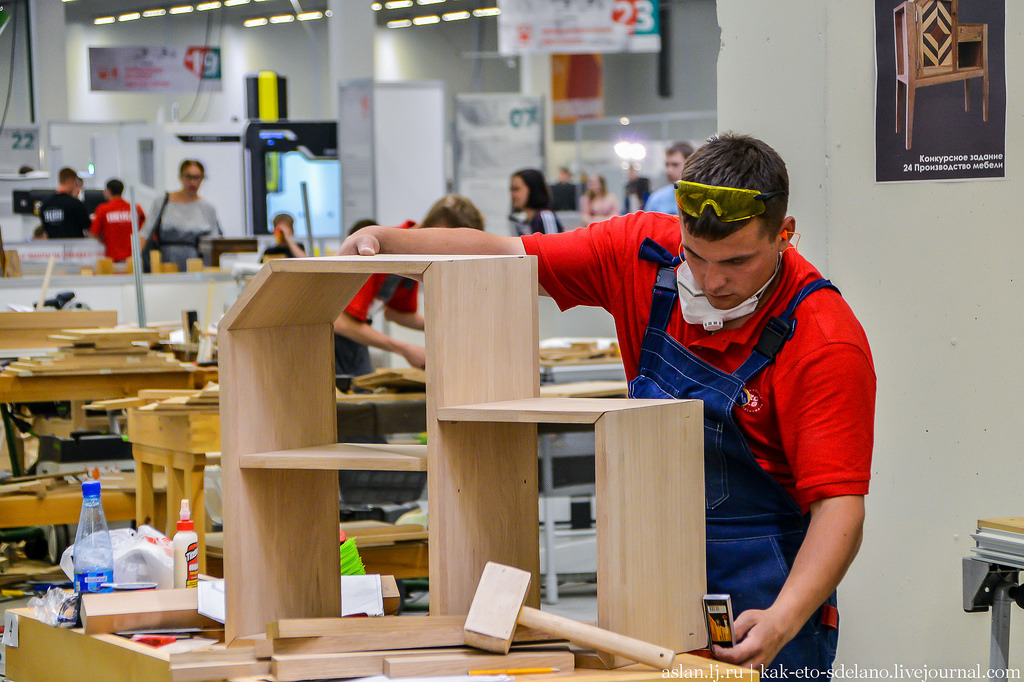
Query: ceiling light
[[309, 16], [487, 12], [282, 19], [232, 3], [130, 16], [428, 2], [203, 6], [376, 7], [184, 9], [103, 20], [253, 23], [455, 16], [154, 13], [397, 4], [399, 23], [328, 14], [624, 121], [429, 19]]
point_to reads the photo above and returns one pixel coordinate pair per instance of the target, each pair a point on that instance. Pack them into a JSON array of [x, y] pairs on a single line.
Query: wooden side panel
[[280, 527], [481, 335], [650, 525]]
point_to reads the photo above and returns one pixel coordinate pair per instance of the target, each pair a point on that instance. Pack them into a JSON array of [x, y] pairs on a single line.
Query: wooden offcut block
[[194, 265], [428, 665], [119, 611]]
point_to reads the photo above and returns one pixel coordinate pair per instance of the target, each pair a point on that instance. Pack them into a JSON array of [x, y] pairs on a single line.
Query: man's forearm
[[364, 333], [431, 240], [832, 541]]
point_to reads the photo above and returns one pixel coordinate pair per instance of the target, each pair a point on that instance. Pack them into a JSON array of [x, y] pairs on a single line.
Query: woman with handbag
[[182, 218]]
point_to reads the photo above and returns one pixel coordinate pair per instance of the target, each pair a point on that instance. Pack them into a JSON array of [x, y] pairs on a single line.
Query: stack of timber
[[407, 379], [578, 352], [98, 351]]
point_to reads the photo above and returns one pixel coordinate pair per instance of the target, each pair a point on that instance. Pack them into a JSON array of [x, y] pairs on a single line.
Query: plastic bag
[[56, 607], [146, 555]]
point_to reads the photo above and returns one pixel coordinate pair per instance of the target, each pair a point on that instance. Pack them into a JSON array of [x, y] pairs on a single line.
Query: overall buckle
[[774, 336]]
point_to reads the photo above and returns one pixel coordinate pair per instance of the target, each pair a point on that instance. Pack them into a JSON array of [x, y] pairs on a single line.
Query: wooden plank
[[270, 505], [543, 410], [199, 672], [427, 665], [89, 386], [118, 611], [63, 506], [294, 667], [668, 574], [45, 654], [1012, 524], [482, 478], [340, 457], [402, 560], [191, 431], [340, 635], [585, 389]]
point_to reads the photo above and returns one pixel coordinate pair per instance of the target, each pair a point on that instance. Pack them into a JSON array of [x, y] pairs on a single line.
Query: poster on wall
[[940, 102], [495, 135], [577, 87], [154, 69], [578, 26]]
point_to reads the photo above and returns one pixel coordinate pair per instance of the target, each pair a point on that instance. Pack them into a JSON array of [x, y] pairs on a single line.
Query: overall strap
[[777, 332], [664, 284]]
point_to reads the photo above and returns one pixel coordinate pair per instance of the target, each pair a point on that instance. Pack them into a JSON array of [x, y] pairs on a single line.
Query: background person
[[112, 224], [64, 215], [284, 237], [397, 296], [563, 192], [663, 200], [749, 326], [182, 218], [597, 203], [531, 203]]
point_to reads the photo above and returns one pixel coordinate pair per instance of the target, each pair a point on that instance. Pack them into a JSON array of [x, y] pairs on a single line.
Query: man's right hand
[[361, 243], [414, 355]]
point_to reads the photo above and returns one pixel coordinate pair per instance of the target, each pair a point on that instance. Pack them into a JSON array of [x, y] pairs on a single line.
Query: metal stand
[[987, 585]]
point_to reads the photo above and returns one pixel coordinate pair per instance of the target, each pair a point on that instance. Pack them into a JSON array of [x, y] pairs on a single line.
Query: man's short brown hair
[[741, 162], [66, 175], [284, 218], [682, 147], [453, 210]]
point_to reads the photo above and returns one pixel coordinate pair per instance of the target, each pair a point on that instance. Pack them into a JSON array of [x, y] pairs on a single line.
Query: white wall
[[933, 272], [297, 51]]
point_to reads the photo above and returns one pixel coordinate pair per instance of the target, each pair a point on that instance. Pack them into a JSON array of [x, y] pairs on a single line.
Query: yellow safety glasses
[[728, 203]]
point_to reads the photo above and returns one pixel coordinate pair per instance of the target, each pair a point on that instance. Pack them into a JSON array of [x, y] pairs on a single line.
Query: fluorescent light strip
[[204, 6], [455, 16], [309, 16], [253, 23], [154, 13], [183, 9], [429, 19], [487, 12], [232, 3], [429, 2], [397, 4], [130, 16], [282, 19], [399, 23], [103, 20]]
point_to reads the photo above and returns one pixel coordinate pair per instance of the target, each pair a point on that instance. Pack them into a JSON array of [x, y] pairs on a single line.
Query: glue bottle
[[186, 550]]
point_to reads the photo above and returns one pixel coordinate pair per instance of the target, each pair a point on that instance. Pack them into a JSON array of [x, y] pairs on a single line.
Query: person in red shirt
[[396, 296], [725, 310], [112, 223]]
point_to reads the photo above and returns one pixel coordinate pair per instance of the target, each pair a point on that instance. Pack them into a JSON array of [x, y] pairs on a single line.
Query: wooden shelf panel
[[544, 410], [342, 457]]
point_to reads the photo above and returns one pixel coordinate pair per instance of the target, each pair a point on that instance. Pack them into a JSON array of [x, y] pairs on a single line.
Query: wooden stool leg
[[175, 493], [145, 498], [967, 95], [910, 115], [901, 98]]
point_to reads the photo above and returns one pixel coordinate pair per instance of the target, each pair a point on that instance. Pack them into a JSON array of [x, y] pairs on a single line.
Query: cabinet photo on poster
[[940, 100]]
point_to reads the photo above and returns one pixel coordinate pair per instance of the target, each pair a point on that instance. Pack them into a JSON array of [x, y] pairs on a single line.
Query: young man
[[397, 296], [747, 325], [284, 239], [112, 223], [64, 216], [663, 200]]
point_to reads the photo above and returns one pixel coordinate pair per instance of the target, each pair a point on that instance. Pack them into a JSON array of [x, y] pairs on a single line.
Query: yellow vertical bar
[[266, 88]]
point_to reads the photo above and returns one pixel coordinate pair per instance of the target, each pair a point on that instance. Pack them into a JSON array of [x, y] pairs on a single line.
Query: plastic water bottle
[[93, 556]]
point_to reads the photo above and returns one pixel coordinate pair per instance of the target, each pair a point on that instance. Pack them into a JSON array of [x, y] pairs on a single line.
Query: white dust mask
[[698, 310]]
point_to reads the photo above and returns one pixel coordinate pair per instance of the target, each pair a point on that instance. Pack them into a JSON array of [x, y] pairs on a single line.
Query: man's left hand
[[759, 636]]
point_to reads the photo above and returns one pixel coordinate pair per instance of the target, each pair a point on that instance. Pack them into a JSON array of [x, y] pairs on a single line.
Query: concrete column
[[535, 79], [49, 65], [351, 44]]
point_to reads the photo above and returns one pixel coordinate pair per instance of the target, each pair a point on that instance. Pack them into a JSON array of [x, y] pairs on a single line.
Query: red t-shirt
[[113, 225], [403, 300], [810, 420]]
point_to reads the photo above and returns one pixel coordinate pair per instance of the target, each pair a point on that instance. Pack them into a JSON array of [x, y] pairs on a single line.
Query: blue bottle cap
[[91, 488]]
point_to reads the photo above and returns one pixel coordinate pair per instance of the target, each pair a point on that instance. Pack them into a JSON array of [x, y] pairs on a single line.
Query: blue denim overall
[[754, 527]]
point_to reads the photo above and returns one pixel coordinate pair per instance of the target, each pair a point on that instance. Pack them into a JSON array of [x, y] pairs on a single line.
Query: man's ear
[[786, 231]]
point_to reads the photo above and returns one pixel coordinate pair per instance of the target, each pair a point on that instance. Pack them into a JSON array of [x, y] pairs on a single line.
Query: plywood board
[[341, 457], [427, 665], [648, 589], [543, 410], [119, 611], [339, 635], [1012, 524]]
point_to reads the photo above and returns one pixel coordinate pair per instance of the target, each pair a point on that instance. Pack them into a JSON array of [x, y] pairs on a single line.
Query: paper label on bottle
[[90, 581], [192, 564]]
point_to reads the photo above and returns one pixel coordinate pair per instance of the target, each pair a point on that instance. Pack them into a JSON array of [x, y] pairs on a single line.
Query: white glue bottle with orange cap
[[186, 550]]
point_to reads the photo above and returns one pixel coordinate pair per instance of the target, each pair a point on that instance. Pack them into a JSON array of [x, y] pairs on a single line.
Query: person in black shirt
[[284, 235], [564, 192], [64, 216]]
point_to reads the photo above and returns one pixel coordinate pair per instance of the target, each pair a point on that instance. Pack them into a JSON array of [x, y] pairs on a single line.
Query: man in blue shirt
[[664, 199]]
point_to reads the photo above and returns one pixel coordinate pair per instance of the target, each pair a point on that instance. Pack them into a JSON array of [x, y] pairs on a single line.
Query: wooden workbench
[[99, 386], [64, 506]]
